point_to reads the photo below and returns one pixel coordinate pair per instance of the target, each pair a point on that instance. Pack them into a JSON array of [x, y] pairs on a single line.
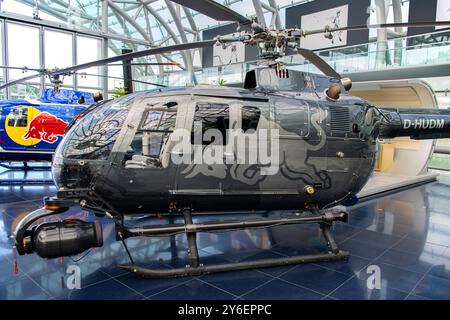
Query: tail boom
[[417, 124]]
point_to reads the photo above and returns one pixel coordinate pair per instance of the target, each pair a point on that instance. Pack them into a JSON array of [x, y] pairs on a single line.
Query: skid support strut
[[325, 221], [192, 240]]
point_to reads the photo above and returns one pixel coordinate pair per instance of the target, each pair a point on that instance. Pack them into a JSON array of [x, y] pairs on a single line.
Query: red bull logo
[[45, 127], [28, 126]]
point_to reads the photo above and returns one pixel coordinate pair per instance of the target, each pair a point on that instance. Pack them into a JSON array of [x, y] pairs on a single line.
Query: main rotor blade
[[11, 83], [215, 10], [146, 64], [381, 26], [118, 78], [138, 54], [20, 68], [127, 56], [320, 64]]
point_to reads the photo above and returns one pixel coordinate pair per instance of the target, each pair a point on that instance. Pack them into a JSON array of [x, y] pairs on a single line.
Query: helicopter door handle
[[180, 153]]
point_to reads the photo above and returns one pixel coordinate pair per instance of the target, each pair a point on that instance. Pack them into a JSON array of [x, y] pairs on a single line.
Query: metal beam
[[59, 26], [273, 5], [259, 12], [104, 69], [150, 35], [132, 21], [179, 25], [168, 29], [146, 35]]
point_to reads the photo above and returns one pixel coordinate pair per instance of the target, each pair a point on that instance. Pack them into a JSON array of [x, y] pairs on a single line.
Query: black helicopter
[[287, 140]]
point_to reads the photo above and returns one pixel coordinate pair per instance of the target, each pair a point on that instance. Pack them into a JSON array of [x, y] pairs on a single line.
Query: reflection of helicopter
[[138, 154]]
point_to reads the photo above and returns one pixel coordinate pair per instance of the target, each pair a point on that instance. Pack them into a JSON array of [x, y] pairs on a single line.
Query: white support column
[[74, 58], [397, 8], [41, 56], [104, 69], [5, 56], [382, 46]]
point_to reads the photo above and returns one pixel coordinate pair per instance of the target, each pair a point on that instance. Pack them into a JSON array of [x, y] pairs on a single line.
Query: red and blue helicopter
[[30, 130]]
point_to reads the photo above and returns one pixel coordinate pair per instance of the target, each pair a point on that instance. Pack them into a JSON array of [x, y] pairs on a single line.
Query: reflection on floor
[[407, 235], [382, 182], [37, 173]]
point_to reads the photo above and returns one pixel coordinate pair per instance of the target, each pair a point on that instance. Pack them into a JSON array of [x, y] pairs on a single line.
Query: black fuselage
[[323, 145]]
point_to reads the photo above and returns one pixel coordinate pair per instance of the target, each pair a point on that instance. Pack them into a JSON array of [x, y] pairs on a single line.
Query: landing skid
[[195, 267], [324, 219]]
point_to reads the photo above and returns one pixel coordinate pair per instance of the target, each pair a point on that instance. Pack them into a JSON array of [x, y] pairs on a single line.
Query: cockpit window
[[149, 147], [93, 137], [159, 120], [210, 116], [250, 118], [18, 117]]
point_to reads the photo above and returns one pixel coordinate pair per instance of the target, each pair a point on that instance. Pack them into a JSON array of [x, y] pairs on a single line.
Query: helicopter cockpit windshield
[[93, 137]]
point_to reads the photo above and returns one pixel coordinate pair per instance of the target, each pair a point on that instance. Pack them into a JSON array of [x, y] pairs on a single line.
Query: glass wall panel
[[20, 91], [23, 49], [2, 62], [115, 72], [15, 6], [58, 48], [89, 49]]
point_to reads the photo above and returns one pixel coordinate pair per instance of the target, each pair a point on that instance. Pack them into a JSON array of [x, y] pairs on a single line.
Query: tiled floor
[[405, 235]]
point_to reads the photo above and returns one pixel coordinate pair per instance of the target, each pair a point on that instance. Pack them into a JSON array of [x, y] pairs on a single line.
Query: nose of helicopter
[[70, 174], [56, 171]]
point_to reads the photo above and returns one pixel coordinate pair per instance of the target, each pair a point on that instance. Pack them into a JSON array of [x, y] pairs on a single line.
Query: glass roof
[[156, 22], [140, 24]]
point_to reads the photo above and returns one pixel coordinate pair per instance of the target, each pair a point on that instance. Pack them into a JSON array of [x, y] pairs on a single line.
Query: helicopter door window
[[250, 118], [210, 116], [149, 143], [18, 117]]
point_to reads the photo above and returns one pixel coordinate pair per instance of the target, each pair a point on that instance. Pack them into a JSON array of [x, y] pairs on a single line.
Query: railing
[[432, 48], [410, 51]]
